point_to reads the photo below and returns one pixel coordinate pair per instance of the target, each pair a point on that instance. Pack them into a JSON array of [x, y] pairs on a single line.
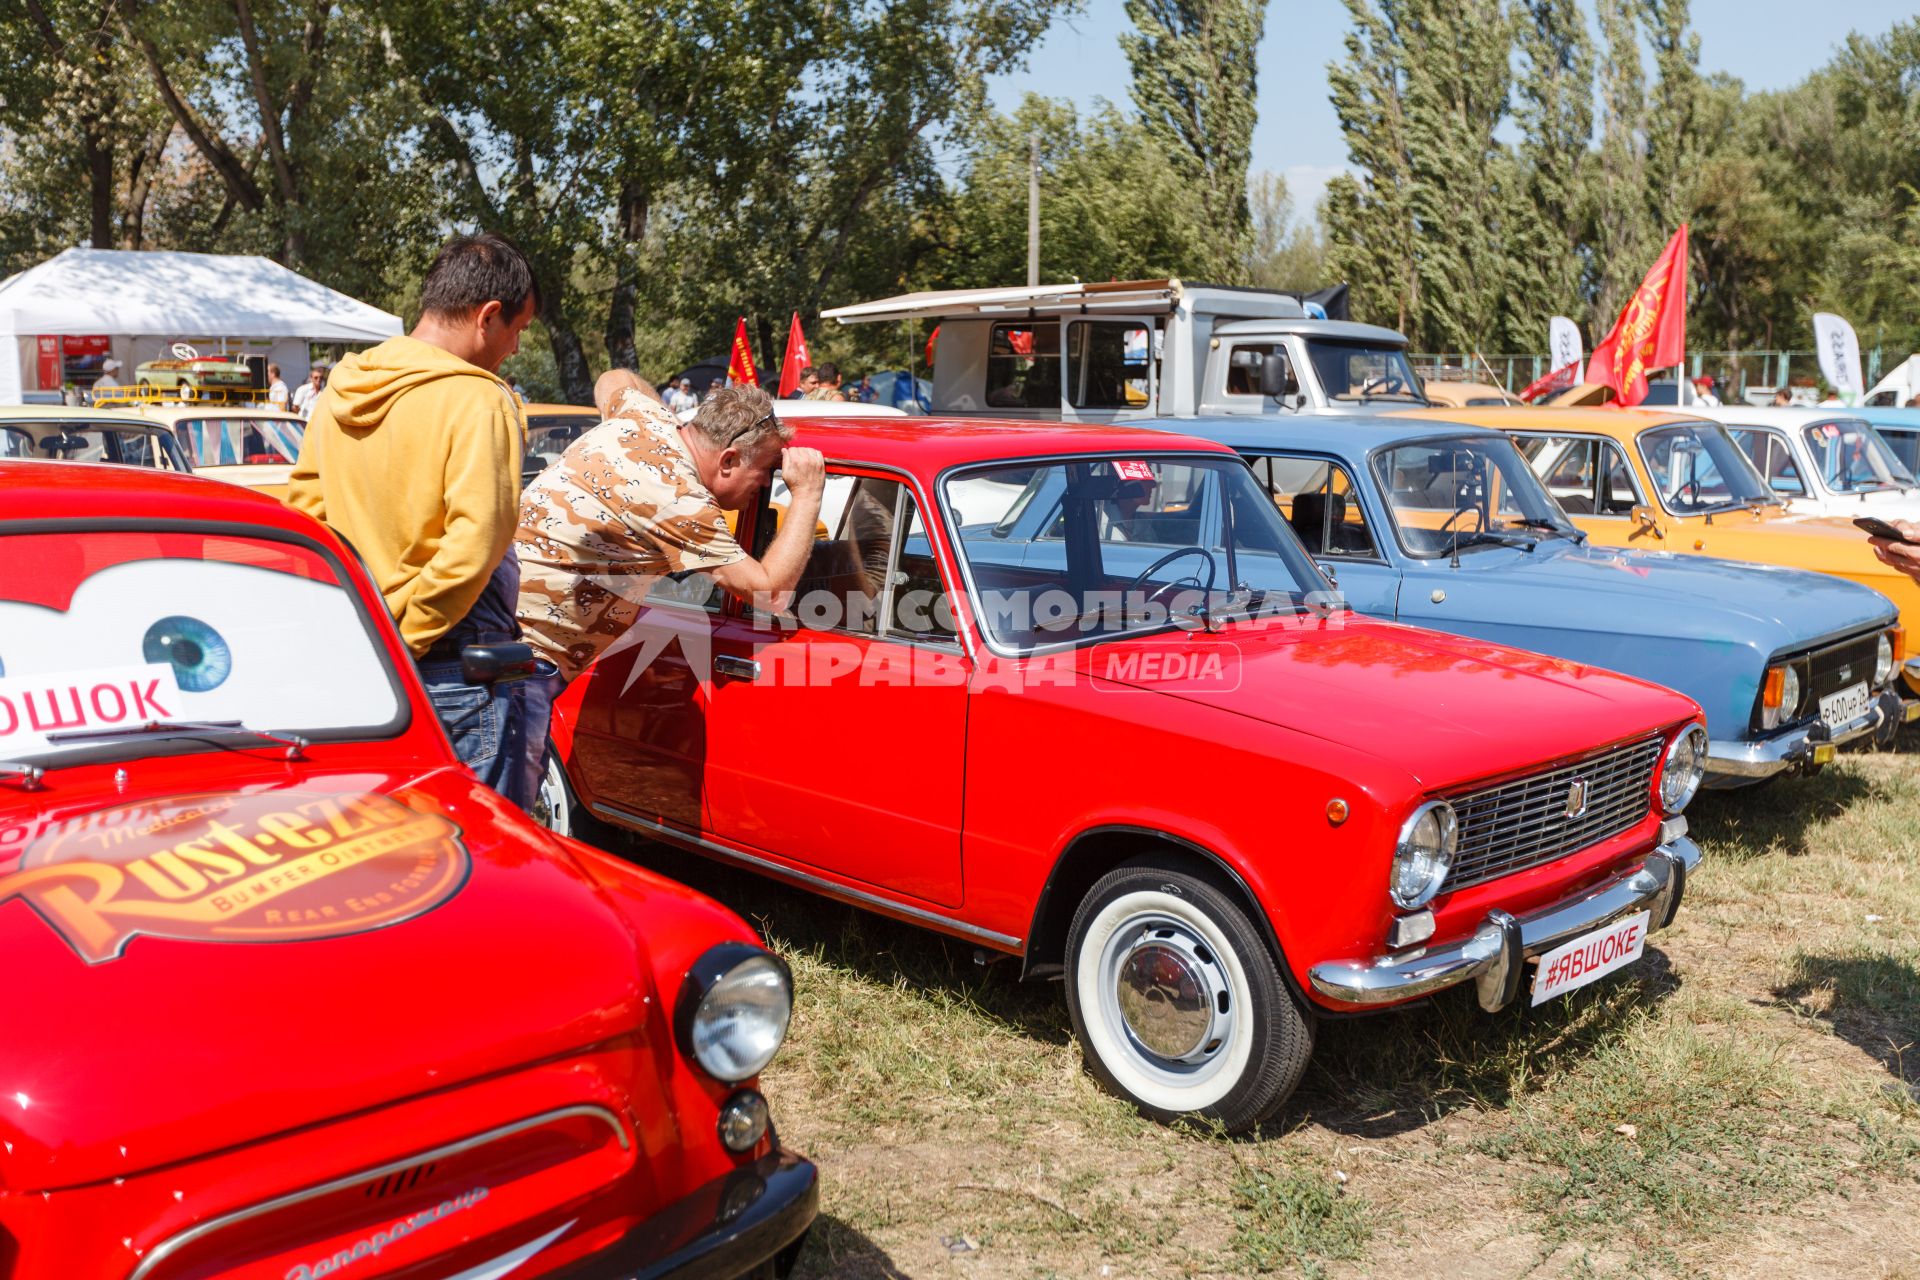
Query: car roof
[[69, 413], [1348, 435], [1621, 424], [1777, 415], [56, 490], [929, 445], [171, 413], [1352, 330]]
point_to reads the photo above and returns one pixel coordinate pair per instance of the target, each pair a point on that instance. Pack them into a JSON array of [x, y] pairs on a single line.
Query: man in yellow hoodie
[[413, 456]]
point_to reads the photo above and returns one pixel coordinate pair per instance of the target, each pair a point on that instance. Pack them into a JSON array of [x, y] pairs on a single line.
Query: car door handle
[[725, 664]]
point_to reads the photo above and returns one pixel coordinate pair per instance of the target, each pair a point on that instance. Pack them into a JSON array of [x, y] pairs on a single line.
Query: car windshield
[[106, 630], [1067, 552], [1697, 468], [86, 442], [226, 442], [1351, 370], [1852, 458], [1464, 494]]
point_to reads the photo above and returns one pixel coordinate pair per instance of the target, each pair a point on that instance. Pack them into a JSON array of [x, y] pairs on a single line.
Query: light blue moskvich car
[[1449, 528]]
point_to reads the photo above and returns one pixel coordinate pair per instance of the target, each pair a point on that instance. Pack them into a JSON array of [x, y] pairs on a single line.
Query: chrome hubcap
[[1165, 986], [550, 806]]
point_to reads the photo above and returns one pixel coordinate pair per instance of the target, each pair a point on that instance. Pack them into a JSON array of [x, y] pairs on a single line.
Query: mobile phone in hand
[[1881, 529]]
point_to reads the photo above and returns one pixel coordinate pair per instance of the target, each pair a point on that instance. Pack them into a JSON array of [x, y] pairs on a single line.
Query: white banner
[[1839, 350], [1563, 343]]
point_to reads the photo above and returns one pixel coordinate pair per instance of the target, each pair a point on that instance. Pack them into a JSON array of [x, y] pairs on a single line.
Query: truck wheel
[[1178, 1003]]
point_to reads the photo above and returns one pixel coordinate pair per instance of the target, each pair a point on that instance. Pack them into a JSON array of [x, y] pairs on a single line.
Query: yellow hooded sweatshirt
[[413, 456]]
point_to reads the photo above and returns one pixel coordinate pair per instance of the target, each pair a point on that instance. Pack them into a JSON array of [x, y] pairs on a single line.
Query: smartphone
[[1881, 529]]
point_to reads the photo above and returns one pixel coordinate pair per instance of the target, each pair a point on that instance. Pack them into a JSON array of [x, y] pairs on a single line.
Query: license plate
[[1845, 706], [1590, 956]]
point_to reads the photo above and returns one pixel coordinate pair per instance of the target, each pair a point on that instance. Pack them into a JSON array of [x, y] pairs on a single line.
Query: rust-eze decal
[[273, 866]]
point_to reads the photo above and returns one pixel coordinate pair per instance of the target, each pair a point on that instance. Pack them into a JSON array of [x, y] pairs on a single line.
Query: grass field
[[1744, 1102]]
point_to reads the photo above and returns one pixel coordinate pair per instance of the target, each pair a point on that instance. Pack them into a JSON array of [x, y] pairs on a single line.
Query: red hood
[[342, 941], [1448, 710]]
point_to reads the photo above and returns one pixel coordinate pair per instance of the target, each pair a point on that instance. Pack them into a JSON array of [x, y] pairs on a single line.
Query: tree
[[1624, 235], [1371, 233], [1282, 255], [1553, 222], [1194, 83]]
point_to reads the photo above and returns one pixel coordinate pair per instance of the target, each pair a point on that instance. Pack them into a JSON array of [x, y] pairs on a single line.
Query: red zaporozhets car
[[290, 994], [1076, 695]]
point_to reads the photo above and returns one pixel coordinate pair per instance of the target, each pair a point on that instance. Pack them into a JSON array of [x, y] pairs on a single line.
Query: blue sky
[[1769, 44]]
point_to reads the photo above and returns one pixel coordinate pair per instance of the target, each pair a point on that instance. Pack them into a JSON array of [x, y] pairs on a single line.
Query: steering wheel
[[1448, 522], [1390, 383], [1688, 493], [1169, 558], [184, 351]]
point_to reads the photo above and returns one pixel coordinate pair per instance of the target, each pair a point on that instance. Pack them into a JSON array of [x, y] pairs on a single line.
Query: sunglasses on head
[[748, 430]]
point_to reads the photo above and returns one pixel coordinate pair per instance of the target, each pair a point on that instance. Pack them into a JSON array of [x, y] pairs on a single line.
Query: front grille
[[1839, 666], [1524, 823]]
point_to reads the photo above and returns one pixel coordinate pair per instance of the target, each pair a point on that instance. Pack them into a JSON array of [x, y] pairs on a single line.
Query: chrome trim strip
[[832, 888], [166, 1248], [1653, 886]]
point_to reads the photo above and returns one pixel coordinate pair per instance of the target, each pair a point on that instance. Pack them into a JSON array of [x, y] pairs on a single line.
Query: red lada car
[[1079, 695], [290, 994]]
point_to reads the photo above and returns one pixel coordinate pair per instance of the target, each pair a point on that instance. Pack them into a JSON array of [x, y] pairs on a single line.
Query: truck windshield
[[1363, 371], [1852, 458], [1069, 552], [1463, 494], [103, 631], [1696, 468]]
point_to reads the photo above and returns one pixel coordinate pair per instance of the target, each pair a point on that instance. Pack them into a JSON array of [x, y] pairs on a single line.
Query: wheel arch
[[1098, 850]]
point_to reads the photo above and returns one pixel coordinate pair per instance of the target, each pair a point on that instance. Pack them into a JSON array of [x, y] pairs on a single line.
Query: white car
[[1823, 462], [250, 445]]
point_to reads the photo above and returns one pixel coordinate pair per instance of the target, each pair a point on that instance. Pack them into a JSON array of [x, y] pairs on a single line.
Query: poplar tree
[[1624, 237], [1370, 227], [1194, 83], [1553, 223]]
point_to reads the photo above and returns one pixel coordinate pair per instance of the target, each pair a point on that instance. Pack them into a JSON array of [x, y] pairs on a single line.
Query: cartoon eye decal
[[200, 657]]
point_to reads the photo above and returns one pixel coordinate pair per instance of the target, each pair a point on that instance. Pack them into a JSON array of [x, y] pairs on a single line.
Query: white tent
[[145, 302]]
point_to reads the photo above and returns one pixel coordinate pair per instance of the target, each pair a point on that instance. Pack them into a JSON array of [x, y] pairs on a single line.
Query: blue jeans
[[495, 728]]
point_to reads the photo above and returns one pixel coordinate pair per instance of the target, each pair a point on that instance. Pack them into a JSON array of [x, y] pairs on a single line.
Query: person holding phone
[[1896, 542]]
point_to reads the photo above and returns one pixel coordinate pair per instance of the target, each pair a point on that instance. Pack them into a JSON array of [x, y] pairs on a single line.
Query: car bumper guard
[[1807, 744], [749, 1222], [1494, 958]]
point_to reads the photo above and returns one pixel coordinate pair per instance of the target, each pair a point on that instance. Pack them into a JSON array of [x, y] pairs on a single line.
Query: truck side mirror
[[1276, 376], [496, 663], [1644, 518]]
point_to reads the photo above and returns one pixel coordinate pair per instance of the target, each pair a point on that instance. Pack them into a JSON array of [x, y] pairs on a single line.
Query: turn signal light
[[1899, 637], [1775, 687]]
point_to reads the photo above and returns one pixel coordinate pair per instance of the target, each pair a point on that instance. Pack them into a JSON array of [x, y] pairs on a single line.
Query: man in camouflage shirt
[[644, 495]]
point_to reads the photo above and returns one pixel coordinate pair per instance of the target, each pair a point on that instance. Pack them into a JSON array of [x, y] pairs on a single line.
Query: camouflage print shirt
[[621, 509]]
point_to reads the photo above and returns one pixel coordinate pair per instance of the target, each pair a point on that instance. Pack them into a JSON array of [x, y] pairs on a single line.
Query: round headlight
[[1883, 661], [743, 1121], [733, 1011], [1424, 855], [1790, 694], [1685, 764]]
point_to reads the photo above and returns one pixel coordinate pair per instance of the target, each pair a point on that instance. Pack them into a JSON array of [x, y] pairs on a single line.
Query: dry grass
[[1745, 1103]]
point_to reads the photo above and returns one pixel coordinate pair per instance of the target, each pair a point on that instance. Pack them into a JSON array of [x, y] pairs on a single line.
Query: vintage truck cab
[[1138, 349]]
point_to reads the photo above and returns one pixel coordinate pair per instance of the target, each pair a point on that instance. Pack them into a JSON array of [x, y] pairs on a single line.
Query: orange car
[[1658, 480]]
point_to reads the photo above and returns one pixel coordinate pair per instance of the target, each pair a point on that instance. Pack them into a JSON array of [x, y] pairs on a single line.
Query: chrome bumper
[[1495, 957], [1800, 746]]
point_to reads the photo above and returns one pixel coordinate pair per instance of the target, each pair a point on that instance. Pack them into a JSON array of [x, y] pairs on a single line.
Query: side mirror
[[497, 663], [1276, 376], [1644, 518]]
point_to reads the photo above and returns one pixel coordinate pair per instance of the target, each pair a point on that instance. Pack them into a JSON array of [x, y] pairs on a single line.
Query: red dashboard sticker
[[275, 866], [1132, 470]]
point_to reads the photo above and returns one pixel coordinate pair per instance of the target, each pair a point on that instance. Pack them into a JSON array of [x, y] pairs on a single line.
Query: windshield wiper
[[1553, 527], [294, 743]]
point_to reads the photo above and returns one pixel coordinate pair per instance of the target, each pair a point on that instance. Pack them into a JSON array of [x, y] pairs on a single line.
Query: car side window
[[1244, 362], [1773, 456], [875, 574], [1107, 364], [1587, 476], [1905, 445], [1318, 499], [1023, 365]]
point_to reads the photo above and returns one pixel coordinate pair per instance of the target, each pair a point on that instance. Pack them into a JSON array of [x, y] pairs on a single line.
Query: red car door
[[836, 734]]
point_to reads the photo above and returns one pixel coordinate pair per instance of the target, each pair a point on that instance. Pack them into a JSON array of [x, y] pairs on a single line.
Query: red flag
[[797, 359], [1551, 383], [740, 370], [1651, 332]]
